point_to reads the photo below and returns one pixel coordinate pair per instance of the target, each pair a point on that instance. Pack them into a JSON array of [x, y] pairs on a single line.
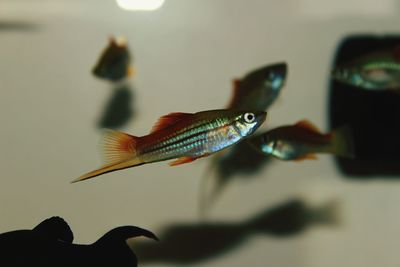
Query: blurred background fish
[[114, 63], [376, 70], [257, 90], [186, 136], [303, 140]]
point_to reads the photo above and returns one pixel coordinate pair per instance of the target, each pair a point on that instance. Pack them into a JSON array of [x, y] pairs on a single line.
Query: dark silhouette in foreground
[[118, 110], [193, 243], [50, 244]]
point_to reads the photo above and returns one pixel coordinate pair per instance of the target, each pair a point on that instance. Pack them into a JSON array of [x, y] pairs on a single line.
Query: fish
[[114, 63], [259, 88], [303, 140], [185, 136], [375, 71]]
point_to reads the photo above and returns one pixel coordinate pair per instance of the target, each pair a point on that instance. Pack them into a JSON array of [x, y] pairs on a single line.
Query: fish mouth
[[279, 69], [261, 116]]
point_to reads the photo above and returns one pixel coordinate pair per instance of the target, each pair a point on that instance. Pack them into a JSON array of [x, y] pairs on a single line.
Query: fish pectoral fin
[[307, 156], [182, 160]]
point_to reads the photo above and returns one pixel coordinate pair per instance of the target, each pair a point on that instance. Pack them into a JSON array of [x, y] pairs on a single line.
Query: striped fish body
[[195, 137], [185, 136]]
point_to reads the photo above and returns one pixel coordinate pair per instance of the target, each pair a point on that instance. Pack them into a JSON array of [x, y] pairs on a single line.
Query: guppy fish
[[186, 136], [375, 71], [114, 63], [259, 88], [302, 141]]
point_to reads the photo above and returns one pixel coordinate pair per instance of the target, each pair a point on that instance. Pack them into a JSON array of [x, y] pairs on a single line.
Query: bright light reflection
[[140, 4]]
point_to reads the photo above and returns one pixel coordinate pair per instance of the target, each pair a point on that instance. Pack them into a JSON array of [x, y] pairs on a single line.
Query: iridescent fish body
[[375, 71], [185, 136], [115, 62], [259, 88], [303, 141]]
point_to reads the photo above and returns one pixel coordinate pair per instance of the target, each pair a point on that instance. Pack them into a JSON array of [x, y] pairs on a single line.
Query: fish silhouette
[[50, 244]]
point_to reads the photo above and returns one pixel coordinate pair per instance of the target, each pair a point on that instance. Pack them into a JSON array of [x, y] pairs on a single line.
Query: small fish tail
[[343, 142], [120, 151], [328, 213]]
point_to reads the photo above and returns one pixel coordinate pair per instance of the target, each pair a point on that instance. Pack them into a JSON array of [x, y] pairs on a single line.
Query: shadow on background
[[17, 26], [241, 160], [50, 244], [193, 243], [118, 110], [372, 115]]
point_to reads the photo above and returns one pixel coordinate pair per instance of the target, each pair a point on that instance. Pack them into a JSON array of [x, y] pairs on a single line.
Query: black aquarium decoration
[[372, 114], [50, 244]]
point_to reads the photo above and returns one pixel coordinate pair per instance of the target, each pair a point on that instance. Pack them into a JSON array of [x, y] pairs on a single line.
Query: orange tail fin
[[120, 153]]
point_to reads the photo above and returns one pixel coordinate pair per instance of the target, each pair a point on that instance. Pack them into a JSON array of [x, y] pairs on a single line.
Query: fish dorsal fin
[[169, 119], [236, 84], [117, 42], [306, 124]]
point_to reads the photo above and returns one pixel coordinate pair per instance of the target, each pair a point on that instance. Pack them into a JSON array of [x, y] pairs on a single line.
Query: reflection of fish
[[114, 62], [192, 243], [374, 71], [241, 161], [302, 141], [50, 244], [186, 136], [259, 88], [118, 111]]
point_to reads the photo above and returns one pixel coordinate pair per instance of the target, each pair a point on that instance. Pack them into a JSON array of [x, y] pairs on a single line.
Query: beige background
[[186, 54]]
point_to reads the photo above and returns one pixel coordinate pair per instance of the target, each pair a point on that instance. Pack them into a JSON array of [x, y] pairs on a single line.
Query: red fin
[[118, 146], [308, 125], [182, 160], [112, 40], [117, 42], [168, 120], [397, 53], [236, 84], [305, 157]]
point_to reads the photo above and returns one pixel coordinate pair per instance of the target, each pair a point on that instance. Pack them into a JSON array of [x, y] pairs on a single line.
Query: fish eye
[[249, 117]]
